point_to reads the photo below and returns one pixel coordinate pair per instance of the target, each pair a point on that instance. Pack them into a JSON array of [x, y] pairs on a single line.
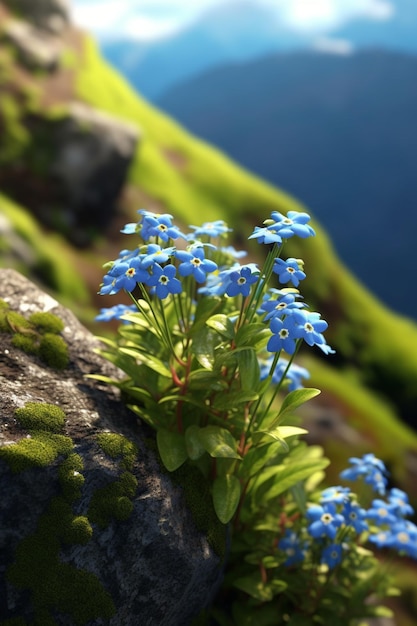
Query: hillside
[[340, 133], [172, 171]]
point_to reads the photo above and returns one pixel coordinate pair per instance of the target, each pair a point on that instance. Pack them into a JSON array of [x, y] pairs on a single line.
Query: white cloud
[[149, 19]]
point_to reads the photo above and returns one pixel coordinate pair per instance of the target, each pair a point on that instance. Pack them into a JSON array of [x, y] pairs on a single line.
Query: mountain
[[235, 31], [245, 30], [340, 133]]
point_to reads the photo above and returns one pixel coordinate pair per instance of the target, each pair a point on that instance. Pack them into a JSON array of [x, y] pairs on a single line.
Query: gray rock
[[50, 15], [158, 569], [92, 152], [35, 48]]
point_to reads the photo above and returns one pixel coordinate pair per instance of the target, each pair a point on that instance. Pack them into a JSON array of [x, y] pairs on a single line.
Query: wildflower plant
[[208, 348]]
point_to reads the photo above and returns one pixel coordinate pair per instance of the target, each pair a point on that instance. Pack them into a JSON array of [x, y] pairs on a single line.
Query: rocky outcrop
[[49, 15], [36, 49], [91, 530]]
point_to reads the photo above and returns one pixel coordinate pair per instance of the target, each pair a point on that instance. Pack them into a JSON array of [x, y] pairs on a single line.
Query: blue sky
[[151, 19]]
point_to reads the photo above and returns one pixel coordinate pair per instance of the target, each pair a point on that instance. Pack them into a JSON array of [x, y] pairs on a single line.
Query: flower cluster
[[159, 268], [337, 522]]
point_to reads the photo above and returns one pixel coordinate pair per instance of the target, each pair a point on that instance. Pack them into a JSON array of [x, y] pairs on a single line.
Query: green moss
[[70, 476], [115, 446], [114, 501], [55, 586], [47, 322], [33, 452], [41, 416], [37, 335], [4, 305], [54, 351], [12, 322]]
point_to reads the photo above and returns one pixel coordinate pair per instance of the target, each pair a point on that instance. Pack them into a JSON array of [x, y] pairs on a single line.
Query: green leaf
[[292, 401], [226, 495], [203, 346], [149, 360], [218, 442], [222, 325], [253, 586], [252, 335], [205, 308], [192, 442], [257, 458], [171, 447], [228, 401], [276, 480], [248, 369], [260, 437]]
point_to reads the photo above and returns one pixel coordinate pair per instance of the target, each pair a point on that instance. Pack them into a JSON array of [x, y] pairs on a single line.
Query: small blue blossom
[[355, 516], [337, 495], [232, 252], [265, 235], [282, 338], [332, 555], [398, 499], [294, 223], [211, 229], [324, 520], [241, 280], [280, 306], [403, 538], [288, 271], [371, 469], [155, 254], [124, 275], [193, 262], [308, 326], [381, 512], [154, 225], [115, 312], [130, 229], [294, 549], [164, 281]]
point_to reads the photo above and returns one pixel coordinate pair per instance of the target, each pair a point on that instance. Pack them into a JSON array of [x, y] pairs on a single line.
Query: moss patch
[[55, 587], [114, 501], [37, 335]]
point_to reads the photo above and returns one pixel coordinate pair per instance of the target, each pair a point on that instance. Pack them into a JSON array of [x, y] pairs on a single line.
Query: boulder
[[92, 531], [36, 49], [49, 15]]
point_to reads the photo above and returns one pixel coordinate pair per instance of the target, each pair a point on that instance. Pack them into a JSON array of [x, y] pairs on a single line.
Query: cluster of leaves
[[202, 347]]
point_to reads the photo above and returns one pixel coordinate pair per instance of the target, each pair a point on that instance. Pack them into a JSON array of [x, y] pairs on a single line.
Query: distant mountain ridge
[[240, 31], [339, 133]]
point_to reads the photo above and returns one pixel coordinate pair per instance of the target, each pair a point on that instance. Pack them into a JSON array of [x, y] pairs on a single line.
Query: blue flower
[[308, 326], [241, 280], [124, 275], [288, 271], [212, 229], [280, 306], [265, 235], [232, 252], [282, 337], [337, 495], [155, 254], [324, 520], [371, 469], [154, 225], [381, 512], [131, 228], [115, 312], [403, 538], [399, 500], [332, 555], [294, 549], [355, 516], [164, 281], [194, 263], [294, 223]]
